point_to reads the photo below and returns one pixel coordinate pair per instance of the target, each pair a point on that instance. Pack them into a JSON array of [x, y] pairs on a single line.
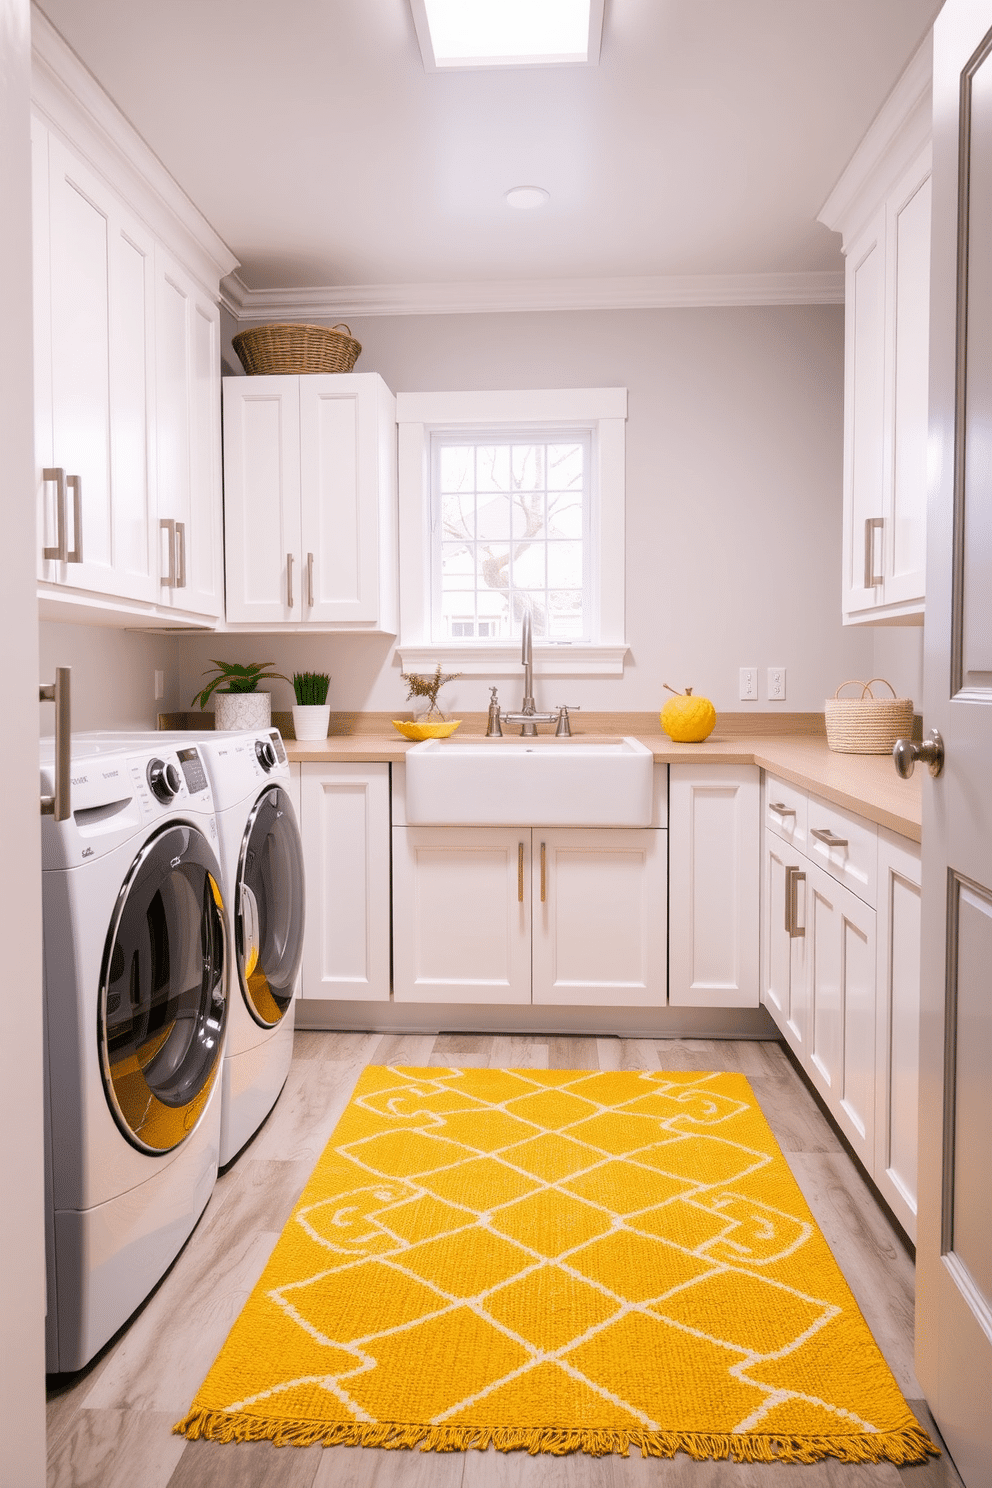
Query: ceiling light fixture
[[526, 198], [508, 33]]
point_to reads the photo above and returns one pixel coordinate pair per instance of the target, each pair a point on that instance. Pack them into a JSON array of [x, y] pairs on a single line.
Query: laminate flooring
[[110, 1425]]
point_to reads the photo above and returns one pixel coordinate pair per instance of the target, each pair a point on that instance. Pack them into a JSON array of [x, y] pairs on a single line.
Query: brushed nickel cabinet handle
[[793, 877], [61, 549], [824, 835], [872, 524], [168, 526], [180, 555], [58, 692], [289, 581], [520, 873], [544, 872], [780, 809], [310, 580], [76, 482]]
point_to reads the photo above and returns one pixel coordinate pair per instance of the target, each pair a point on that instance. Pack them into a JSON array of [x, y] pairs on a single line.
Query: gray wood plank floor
[[110, 1425]]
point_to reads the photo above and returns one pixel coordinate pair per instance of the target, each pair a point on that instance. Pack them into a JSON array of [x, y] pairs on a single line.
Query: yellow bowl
[[426, 730]]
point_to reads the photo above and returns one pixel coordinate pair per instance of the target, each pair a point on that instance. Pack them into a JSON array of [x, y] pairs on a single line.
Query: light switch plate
[[749, 684]]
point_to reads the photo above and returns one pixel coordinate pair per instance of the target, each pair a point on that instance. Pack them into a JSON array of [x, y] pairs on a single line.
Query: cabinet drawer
[[784, 811], [845, 846]]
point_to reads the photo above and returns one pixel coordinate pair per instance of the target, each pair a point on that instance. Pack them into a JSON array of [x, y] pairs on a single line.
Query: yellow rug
[[556, 1261]]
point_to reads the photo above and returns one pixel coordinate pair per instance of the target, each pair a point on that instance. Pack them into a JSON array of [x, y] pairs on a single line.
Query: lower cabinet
[[841, 975], [563, 915], [344, 823]]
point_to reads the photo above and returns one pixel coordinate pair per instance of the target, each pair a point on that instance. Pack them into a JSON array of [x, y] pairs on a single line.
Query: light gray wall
[[734, 464], [113, 674]]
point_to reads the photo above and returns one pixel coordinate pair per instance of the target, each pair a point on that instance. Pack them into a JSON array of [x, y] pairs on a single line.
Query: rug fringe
[[911, 1445]]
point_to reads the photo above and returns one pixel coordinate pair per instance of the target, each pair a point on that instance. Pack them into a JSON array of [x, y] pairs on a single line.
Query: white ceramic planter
[[311, 721], [242, 710]]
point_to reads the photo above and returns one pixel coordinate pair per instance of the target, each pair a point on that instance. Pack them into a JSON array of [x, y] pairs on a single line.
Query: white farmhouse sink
[[553, 782]]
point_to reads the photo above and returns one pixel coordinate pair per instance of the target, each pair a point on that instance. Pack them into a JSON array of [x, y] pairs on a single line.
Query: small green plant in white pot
[[237, 702], [311, 712]]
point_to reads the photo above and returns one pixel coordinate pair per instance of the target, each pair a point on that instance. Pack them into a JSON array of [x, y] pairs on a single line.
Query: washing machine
[[261, 855], [136, 1007]]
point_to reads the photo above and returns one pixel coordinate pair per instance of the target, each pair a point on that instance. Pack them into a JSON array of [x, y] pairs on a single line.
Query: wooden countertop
[[863, 783]]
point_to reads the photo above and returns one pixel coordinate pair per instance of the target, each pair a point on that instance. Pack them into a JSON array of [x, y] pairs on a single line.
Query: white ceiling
[[312, 139]]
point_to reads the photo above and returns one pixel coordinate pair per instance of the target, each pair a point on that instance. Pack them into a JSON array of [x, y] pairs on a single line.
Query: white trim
[[479, 659], [70, 100], [603, 410], [481, 297], [901, 129]]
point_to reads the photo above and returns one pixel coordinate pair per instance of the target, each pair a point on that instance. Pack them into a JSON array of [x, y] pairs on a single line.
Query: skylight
[[508, 33]]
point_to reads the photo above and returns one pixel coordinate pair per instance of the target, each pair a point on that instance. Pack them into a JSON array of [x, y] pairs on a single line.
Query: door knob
[[905, 753]]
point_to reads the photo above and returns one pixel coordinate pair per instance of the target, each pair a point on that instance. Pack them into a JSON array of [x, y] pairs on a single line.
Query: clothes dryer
[[261, 855], [136, 984]]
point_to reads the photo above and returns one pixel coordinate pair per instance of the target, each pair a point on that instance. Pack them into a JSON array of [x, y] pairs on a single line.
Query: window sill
[[477, 659]]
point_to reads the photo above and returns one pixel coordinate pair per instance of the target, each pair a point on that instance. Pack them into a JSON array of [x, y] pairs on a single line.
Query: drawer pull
[[824, 835], [520, 873], [544, 872], [780, 808], [793, 877]]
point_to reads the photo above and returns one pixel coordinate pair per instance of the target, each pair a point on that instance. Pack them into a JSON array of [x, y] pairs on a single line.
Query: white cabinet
[[558, 915], [309, 501], [344, 823], [840, 969], [190, 535], [713, 894], [94, 381], [882, 207]]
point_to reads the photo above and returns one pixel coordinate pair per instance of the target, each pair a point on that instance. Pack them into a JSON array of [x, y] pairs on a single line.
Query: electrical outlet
[[776, 684], [749, 684], [159, 686]]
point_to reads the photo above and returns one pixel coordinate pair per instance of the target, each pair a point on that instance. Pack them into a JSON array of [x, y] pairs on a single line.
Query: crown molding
[[481, 297], [66, 95], [899, 132]]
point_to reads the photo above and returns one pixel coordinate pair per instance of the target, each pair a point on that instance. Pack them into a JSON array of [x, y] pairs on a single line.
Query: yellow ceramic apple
[[687, 719]]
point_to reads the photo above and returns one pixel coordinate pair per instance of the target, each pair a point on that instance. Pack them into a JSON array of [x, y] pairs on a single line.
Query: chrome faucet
[[528, 717]]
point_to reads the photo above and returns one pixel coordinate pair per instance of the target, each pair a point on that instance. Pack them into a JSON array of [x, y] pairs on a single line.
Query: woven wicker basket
[[296, 349], [867, 724]]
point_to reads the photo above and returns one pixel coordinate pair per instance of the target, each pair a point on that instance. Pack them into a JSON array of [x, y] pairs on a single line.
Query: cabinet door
[[344, 822], [100, 339], [898, 1025], [713, 885], [190, 522], [840, 934], [784, 986], [340, 477], [908, 391], [461, 914], [864, 409], [262, 499], [600, 912]]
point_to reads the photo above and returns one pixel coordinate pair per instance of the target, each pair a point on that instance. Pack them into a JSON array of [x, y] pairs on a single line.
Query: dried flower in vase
[[428, 687]]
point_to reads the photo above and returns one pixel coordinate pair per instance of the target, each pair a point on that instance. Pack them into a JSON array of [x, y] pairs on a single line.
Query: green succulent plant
[[311, 688], [237, 677]]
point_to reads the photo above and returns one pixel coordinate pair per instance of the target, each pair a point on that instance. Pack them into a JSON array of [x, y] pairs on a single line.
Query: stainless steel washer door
[[163, 994], [269, 908]]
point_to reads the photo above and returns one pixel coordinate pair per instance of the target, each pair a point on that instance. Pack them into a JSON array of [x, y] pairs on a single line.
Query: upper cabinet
[[310, 502], [127, 366], [881, 206]]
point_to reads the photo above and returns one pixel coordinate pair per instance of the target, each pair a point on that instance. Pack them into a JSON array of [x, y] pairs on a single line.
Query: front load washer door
[[163, 991], [269, 910]]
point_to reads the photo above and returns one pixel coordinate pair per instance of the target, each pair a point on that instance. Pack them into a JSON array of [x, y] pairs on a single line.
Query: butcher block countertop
[[865, 784]]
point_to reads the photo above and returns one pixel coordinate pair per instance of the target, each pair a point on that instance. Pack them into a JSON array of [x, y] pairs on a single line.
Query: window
[[512, 501]]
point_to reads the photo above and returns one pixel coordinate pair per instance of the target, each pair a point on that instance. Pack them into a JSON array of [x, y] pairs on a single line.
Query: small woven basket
[[296, 349], [867, 724]]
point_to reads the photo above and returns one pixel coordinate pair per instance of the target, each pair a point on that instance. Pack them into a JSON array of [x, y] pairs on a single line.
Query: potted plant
[[238, 704], [311, 712]]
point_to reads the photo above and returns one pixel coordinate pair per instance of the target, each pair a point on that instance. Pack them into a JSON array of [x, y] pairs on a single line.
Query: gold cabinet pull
[[544, 872], [520, 873]]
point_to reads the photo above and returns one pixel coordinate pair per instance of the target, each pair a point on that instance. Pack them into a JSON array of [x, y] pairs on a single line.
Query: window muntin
[[511, 518]]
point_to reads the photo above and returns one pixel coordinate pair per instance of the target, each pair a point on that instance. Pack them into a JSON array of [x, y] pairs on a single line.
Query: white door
[[344, 823], [461, 914], [954, 1225], [784, 991], [864, 450], [262, 500], [339, 486], [897, 1038], [600, 916]]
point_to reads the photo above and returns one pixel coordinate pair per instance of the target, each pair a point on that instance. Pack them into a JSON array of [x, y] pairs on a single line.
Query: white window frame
[[602, 411]]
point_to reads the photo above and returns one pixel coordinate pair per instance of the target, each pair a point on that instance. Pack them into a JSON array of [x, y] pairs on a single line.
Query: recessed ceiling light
[[508, 33], [526, 198]]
